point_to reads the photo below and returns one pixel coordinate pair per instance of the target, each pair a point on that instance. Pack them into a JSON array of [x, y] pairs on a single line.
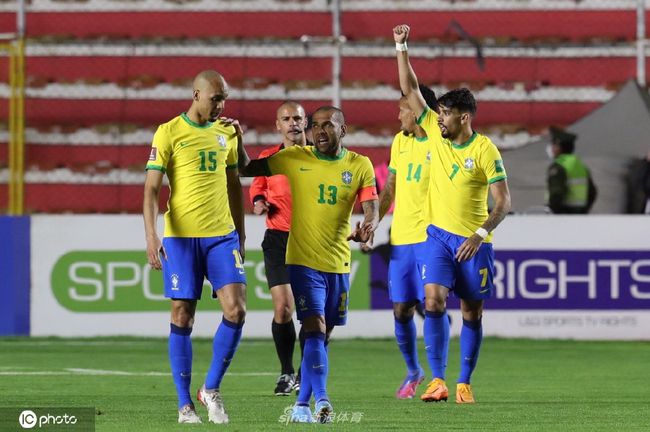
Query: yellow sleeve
[[161, 150], [232, 158], [367, 173], [394, 154], [492, 164], [279, 162], [429, 122]]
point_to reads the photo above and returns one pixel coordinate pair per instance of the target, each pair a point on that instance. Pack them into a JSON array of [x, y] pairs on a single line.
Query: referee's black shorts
[[274, 246]]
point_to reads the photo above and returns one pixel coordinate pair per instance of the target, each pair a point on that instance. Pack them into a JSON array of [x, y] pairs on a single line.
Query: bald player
[[203, 236], [271, 196]]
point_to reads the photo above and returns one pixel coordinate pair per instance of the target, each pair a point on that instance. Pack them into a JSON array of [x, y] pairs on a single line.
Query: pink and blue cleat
[[409, 386]]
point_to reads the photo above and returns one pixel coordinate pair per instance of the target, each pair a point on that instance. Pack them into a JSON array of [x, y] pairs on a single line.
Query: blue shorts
[[470, 280], [191, 259], [404, 281], [320, 293]]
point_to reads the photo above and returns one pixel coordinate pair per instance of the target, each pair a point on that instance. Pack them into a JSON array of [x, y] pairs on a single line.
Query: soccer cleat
[[464, 394], [410, 385], [214, 404], [301, 414], [284, 385], [187, 414], [436, 391], [296, 385], [323, 411]]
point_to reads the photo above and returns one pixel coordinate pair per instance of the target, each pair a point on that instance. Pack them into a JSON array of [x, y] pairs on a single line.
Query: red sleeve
[[258, 188]]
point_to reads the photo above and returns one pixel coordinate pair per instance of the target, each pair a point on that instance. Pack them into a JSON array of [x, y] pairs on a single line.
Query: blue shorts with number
[[471, 279], [318, 293], [404, 281], [191, 259]]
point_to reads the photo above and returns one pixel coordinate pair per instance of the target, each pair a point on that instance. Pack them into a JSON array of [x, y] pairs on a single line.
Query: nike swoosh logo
[[318, 366], [484, 291], [402, 152], [305, 169]]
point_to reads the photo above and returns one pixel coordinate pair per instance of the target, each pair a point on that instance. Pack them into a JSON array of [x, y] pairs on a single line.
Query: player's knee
[[434, 304], [236, 313], [403, 311], [315, 323], [282, 313]]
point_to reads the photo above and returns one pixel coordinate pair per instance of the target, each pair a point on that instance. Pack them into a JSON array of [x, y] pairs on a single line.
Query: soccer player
[[458, 254], [203, 237], [407, 183], [325, 180], [272, 196]]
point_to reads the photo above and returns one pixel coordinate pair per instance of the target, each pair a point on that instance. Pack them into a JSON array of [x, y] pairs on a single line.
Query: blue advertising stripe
[[14, 268], [571, 279]]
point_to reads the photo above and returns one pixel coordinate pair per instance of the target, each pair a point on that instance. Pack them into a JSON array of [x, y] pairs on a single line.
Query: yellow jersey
[[195, 158], [410, 162], [323, 190], [459, 181]]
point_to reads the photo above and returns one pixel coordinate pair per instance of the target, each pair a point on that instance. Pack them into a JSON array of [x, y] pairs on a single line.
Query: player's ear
[[195, 95], [277, 125], [343, 130]]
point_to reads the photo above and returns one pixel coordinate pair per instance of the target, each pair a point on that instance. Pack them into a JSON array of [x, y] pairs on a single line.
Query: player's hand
[[401, 33], [365, 247], [363, 233], [260, 207], [468, 249], [154, 251], [227, 121]]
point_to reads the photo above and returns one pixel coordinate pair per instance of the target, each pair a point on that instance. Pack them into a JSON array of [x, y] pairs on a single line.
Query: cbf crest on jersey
[[346, 176], [469, 163], [221, 140]]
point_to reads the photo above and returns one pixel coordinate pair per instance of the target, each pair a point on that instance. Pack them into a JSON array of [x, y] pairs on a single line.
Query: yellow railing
[[16, 50]]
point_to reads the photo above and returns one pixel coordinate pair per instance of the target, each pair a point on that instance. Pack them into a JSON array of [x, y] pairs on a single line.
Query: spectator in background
[[272, 196], [570, 188]]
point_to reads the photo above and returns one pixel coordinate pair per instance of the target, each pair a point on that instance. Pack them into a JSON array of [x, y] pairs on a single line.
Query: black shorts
[[274, 246]]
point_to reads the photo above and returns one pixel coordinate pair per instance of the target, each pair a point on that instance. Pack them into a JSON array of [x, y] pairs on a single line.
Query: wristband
[[401, 46], [482, 232]]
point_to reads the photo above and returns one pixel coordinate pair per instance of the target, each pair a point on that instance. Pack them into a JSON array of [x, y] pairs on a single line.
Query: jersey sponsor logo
[[153, 154], [221, 140], [469, 163], [346, 176]]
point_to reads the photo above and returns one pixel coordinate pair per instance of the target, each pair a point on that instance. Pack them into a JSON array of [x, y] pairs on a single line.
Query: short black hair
[[564, 139], [429, 97], [338, 112], [461, 99]]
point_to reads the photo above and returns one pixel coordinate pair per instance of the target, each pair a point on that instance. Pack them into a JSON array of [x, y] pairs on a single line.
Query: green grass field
[[519, 385]]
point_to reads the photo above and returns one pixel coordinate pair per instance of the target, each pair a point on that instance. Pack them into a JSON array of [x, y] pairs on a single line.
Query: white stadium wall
[[576, 277]]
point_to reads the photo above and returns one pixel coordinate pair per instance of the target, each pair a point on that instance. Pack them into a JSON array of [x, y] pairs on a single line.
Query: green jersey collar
[[195, 124], [466, 143], [322, 156]]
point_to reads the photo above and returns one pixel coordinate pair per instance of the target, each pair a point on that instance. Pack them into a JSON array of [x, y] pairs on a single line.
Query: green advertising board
[[122, 281]]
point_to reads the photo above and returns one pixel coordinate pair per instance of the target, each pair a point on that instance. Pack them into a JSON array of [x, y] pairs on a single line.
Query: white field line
[[103, 372]]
